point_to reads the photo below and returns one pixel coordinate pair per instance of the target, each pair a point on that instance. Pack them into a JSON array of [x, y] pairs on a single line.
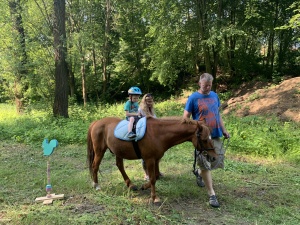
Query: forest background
[[63, 52], [66, 63]]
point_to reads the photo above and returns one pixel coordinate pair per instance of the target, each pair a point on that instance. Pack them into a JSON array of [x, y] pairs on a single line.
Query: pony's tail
[[90, 150]]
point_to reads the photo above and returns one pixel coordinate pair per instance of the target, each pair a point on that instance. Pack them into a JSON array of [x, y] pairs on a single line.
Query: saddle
[[121, 130]]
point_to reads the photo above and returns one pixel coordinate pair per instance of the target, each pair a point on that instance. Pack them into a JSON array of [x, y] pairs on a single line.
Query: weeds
[[252, 135], [249, 190], [257, 186]]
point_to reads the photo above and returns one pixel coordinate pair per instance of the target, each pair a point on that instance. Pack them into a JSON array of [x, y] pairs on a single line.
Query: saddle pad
[[121, 130]]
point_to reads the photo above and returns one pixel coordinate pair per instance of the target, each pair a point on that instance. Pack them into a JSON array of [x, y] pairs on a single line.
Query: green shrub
[[259, 136], [251, 135]]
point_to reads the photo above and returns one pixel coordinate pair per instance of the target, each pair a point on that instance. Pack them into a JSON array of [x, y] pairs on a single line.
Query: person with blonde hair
[[146, 108]]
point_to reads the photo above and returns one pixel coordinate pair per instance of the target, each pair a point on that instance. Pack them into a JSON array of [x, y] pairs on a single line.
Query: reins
[[225, 148]]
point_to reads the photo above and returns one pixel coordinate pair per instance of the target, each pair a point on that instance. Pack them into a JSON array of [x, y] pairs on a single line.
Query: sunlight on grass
[[7, 111], [249, 189]]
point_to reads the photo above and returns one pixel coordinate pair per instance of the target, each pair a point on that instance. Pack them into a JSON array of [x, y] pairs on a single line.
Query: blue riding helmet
[[134, 91]]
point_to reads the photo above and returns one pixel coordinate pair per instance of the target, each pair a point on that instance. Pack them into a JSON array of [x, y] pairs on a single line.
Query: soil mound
[[260, 98]]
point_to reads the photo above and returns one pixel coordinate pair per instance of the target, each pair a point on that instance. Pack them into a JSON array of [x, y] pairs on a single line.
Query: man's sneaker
[[213, 201], [131, 135], [199, 179]]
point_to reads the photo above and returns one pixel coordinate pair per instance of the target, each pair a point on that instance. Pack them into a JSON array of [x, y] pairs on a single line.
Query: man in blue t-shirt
[[204, 105]]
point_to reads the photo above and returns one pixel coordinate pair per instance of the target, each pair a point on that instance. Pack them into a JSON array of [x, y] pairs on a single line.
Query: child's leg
[[130, 124]]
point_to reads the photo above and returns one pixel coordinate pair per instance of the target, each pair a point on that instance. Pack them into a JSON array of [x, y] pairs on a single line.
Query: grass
[[256, 187], [250, 190]]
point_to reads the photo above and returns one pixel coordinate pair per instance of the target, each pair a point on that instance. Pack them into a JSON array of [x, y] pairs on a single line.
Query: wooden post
[[48, 149]]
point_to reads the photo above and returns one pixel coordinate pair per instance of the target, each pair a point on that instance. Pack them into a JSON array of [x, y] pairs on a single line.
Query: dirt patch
[[80, 205], [259, 98]]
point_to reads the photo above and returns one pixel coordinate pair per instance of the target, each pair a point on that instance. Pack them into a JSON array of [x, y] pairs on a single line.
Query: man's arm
[[224, 131], [186, 114]]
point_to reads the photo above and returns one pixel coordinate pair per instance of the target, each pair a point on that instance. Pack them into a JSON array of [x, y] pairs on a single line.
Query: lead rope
[[196, 153], [194, 164], [226, 144]]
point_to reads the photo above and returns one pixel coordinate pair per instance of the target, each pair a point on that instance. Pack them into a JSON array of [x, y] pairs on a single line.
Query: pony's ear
[[202, 122], [203, 126], [200, 126]]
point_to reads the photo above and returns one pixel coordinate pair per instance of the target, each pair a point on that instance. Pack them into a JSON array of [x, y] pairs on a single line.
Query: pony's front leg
[[120, 165]]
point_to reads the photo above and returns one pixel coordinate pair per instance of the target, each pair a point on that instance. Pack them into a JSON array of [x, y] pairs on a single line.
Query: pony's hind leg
[[95, 169], [120, 165]]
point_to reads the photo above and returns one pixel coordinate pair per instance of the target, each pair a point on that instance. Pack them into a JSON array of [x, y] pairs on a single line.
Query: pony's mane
[[180, 119]]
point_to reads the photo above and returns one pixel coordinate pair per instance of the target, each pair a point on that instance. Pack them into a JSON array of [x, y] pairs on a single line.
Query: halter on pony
[[203, 154]]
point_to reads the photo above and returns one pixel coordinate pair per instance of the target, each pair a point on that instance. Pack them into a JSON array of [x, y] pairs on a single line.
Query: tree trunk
[[60, 106], [106, 48], [19, 67], [202, 15], [84, 95], [83, 74], [95, 75], [72, 81]]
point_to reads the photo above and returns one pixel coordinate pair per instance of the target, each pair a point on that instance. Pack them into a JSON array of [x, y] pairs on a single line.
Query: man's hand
[[226, 134]]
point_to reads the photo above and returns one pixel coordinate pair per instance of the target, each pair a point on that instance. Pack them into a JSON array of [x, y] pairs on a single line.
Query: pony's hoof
[[156, 202], [133, 188], [96, 186]]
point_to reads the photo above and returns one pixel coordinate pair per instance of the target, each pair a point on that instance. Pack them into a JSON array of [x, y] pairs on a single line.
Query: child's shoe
[[131, 135]]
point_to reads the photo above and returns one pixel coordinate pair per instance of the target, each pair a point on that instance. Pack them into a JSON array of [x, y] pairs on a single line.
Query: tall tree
[[60, 106], [20, 55], [106, 47]]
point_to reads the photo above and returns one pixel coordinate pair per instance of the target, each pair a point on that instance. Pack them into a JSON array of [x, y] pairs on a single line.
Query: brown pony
[[161, 134]]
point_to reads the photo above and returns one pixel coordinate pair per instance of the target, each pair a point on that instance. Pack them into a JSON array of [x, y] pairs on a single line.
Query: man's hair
[[206, 76]]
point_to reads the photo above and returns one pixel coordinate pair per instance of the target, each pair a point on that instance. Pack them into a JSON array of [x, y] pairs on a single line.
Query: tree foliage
[[156, 45]]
